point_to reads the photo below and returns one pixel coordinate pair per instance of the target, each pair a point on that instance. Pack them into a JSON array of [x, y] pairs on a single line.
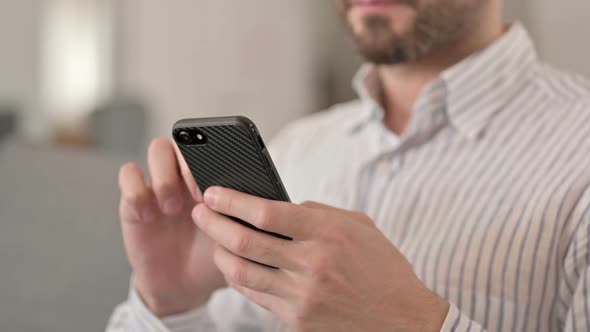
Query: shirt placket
[[381, 161]]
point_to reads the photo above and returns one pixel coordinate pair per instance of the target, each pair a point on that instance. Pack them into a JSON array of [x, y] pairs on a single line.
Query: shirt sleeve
[[226, 311], [134, 316]]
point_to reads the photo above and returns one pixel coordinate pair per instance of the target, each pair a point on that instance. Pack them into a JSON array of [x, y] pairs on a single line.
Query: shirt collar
[[367, 85], [477, 87]]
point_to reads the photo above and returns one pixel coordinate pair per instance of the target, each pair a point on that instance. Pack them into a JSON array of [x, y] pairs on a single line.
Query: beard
[[434, 25]]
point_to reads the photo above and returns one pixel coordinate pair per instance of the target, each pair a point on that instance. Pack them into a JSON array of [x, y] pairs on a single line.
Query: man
[[469, 158]]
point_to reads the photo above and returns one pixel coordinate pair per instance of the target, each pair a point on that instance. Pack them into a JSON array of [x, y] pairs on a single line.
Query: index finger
[[283, 218]]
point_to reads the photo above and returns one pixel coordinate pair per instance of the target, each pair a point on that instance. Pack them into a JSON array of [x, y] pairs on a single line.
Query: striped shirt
[[487, 193]]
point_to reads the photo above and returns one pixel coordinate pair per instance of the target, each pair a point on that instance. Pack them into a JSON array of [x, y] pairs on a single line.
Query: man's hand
[[171, 259], [340, 273]]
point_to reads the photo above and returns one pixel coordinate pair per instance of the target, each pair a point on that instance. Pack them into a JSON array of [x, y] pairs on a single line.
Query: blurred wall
[[516, 10], [19, 61], [561, 30], [205, 58]]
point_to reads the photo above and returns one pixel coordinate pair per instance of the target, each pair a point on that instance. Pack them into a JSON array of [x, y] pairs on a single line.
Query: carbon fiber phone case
[[233, 157]]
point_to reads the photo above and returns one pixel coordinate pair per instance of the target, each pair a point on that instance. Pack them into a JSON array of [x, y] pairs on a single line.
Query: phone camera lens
[[184, 137], [199, 137], [190, 136]]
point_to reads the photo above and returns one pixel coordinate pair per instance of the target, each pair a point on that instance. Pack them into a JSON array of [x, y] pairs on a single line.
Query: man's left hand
[[339, 273]]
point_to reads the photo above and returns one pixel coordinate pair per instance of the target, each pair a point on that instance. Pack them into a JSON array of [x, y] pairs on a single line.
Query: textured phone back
[[231, 158]]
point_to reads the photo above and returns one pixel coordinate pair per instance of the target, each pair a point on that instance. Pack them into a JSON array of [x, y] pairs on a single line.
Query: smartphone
[[229, 152]]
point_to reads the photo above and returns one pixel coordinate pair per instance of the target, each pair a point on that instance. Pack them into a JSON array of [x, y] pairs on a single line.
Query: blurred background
[[84, 85]]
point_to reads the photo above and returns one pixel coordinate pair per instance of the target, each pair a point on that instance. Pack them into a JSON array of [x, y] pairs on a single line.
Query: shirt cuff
[[456, 321], [191, 321]]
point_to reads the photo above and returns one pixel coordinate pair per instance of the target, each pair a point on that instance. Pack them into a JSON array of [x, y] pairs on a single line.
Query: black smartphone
[[229, 152]]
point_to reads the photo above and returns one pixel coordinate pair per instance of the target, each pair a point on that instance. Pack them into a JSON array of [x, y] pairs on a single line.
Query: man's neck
[[402, 83]]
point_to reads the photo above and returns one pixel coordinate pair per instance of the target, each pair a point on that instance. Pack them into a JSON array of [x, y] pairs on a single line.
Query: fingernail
[[211, 196], [149, 215], [197, 212], [172, 205]]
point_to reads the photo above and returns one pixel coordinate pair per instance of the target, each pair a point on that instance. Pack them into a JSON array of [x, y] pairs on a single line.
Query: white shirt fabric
[[487, 194]]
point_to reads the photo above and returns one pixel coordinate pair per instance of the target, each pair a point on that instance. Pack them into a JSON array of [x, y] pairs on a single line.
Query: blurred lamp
[[76, 58]]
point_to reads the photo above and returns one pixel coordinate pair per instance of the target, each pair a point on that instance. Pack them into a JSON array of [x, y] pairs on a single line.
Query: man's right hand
[[171, 258]]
